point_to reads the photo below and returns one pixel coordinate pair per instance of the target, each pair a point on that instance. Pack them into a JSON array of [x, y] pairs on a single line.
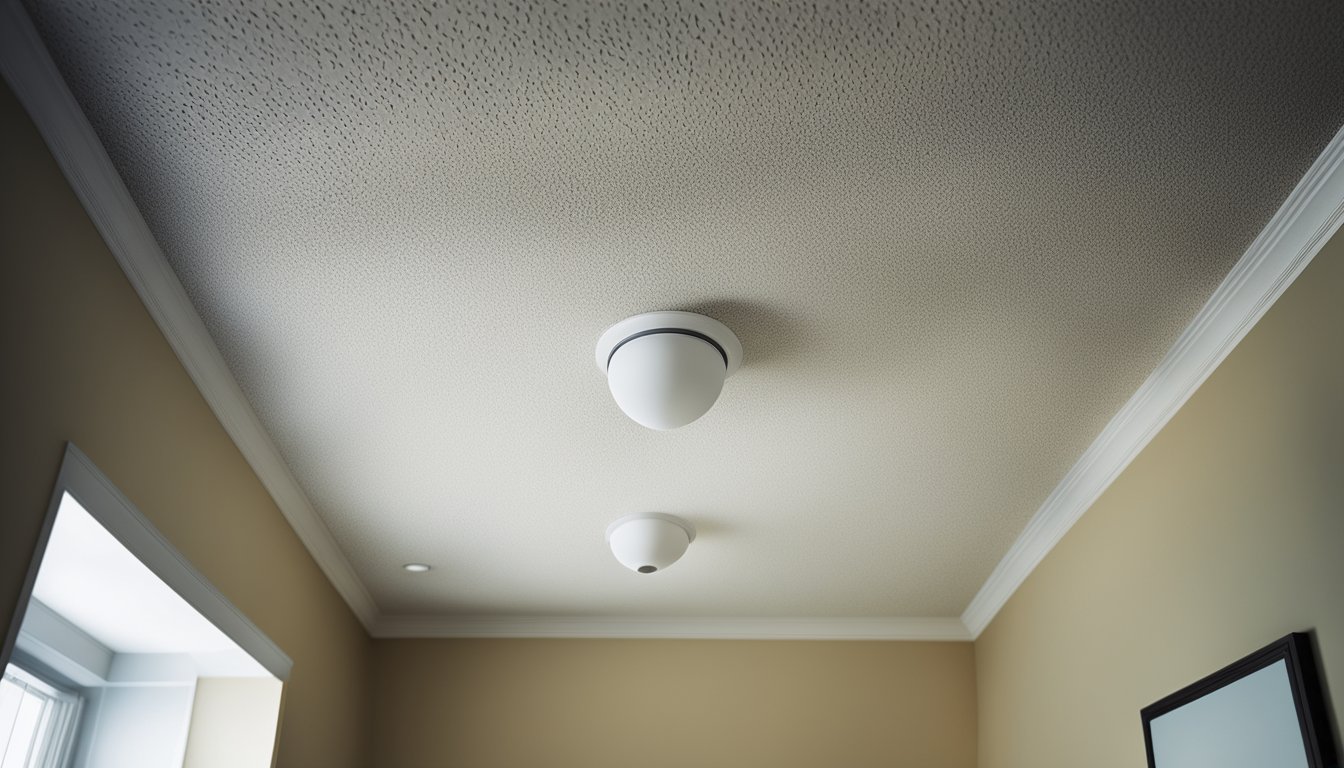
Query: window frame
[[59, 719]]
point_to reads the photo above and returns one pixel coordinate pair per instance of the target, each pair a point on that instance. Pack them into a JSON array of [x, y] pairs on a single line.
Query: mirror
[[1264, 710], [124, 655]]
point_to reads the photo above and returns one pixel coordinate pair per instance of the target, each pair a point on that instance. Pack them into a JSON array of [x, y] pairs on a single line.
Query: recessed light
[[416, 567]]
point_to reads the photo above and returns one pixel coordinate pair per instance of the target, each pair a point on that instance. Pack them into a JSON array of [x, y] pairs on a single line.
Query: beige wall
[[656, 703], [1227, 532], [233, 723], [83, 361]]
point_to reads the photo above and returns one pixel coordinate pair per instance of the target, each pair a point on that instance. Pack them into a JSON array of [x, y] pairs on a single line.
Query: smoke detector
[[648, 542], [666, 369]]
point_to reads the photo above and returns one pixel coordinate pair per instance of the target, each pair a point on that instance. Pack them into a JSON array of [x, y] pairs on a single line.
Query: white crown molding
[[1302, 225], [662, 627], [38, 84]]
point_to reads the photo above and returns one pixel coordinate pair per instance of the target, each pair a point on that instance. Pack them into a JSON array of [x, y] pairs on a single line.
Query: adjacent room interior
[[112, 666], [709, 384]]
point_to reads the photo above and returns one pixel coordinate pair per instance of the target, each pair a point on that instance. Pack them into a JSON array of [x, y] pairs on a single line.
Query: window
[[37, 721]]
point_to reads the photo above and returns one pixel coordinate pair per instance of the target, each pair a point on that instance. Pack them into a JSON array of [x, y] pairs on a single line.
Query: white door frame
[[109, 506]]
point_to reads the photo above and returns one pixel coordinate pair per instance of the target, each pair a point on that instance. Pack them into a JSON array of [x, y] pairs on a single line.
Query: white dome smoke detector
[[648, 542], [666, 369]]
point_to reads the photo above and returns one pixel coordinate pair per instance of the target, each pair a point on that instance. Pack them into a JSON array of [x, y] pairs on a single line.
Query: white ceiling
[[953, 241]]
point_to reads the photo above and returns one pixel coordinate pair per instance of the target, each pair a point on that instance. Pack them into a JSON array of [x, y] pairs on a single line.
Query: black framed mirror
[[1266, 709]]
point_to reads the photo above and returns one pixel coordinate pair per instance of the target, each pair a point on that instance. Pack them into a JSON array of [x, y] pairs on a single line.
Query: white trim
[[37, 83], [1303, 224], [51, 640], [106, 504], [713, 628]]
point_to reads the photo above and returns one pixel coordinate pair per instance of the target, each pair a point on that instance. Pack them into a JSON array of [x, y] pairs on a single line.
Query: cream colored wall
[[1226, 532], [233, 722], [655, 703], [83, 361]]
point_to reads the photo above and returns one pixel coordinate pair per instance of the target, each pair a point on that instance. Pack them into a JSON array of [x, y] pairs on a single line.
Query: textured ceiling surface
[[953, 238]]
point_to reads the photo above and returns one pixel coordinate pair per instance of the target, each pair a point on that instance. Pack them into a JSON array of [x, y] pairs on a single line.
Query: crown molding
[[38, 84], [1307, 219], [663, 627]]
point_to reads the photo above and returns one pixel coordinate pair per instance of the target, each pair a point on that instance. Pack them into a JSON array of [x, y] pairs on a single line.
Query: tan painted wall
[[233, 723], [83, 361], [655, 703], [1226, 532]]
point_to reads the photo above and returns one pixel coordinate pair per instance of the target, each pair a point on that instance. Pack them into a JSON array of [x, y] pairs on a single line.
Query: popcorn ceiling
[[953, 237]]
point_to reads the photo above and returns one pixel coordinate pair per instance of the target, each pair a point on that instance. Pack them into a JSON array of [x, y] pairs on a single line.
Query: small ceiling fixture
[[416, 567], [648, 542], [666, 369]]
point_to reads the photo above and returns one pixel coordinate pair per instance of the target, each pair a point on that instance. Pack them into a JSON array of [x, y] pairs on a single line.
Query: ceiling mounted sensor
[[648, 542], [666, 369]]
